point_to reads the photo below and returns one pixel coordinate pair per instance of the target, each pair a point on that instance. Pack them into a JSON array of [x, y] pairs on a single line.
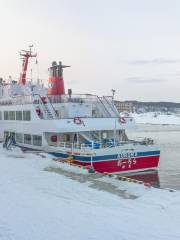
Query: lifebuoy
[[54, 138], [122, 120], [77, 120]]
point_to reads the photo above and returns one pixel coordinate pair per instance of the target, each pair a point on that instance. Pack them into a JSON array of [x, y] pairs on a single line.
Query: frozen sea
[[168, 138]]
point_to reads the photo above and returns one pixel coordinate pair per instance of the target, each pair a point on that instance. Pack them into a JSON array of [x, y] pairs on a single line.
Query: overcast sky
[[132, 46]]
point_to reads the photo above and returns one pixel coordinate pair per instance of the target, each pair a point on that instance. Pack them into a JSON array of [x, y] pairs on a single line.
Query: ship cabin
[[71, 121]]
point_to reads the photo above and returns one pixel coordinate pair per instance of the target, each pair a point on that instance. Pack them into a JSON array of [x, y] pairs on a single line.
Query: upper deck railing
[[75, 98], [103, 106], [29, 99], [17, 100], [100, 145]]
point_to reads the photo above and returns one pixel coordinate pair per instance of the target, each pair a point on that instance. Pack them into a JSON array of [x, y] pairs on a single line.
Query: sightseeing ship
[[86, 128]]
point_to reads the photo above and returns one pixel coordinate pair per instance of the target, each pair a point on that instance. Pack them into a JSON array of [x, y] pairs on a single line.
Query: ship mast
[[25, 57]]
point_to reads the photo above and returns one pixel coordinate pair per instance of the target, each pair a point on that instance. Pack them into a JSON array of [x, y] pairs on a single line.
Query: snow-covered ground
[[157, 118], [36, 204]]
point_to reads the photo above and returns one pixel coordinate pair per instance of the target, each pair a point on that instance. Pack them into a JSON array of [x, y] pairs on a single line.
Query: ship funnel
[[56, 81]]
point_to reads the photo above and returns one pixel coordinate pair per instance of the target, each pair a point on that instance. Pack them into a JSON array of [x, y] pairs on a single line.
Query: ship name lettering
[[127, 155]]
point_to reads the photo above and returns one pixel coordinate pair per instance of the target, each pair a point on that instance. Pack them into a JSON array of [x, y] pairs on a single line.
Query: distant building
[[124, 106]]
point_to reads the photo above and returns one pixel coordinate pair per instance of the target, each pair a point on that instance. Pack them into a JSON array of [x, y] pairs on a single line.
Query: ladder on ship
[[48, 111], [47, 108], [111, 107], [103, 107]]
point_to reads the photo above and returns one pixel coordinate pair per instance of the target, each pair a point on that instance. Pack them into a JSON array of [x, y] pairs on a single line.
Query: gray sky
[[132, 46]]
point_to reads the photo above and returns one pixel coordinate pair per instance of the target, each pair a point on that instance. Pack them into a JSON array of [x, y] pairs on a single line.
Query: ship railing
[[75, 146], [21, 100], [75, 98], [103, 105], [17, 100], [110, 103], [100, 145], [88, 146], [80, 146], [30, 98], [143, 141]]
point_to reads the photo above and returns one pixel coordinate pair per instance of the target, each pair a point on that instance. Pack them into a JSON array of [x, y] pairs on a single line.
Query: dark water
[[168, 138]]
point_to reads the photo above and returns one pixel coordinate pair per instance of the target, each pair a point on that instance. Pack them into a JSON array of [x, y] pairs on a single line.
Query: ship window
[[26, 115], [18, 115], [6, 115], [37, 140], [0, 115], [67, 137], [27, 138], [19, 137], [11, 115]]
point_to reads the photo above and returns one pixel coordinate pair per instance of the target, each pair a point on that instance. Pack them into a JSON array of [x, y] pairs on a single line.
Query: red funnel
[[56, 81]]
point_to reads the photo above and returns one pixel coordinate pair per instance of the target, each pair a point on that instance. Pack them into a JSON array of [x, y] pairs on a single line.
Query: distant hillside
[[155, 104]]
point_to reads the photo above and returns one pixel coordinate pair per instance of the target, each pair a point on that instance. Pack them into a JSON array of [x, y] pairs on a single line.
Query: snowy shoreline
[[38, 204], [156, 118]]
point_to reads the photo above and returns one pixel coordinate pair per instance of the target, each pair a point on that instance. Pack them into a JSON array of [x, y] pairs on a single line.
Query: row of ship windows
[[16, 115], [35, 140]]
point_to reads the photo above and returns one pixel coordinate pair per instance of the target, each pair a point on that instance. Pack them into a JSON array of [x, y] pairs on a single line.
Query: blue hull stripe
[[99, 158], [104, 157]]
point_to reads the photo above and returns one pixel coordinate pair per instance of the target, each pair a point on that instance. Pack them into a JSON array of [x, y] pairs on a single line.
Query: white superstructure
[[86, 127]]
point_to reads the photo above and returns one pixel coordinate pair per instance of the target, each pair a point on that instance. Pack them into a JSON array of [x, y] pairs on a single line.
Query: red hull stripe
[[124, 164]]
